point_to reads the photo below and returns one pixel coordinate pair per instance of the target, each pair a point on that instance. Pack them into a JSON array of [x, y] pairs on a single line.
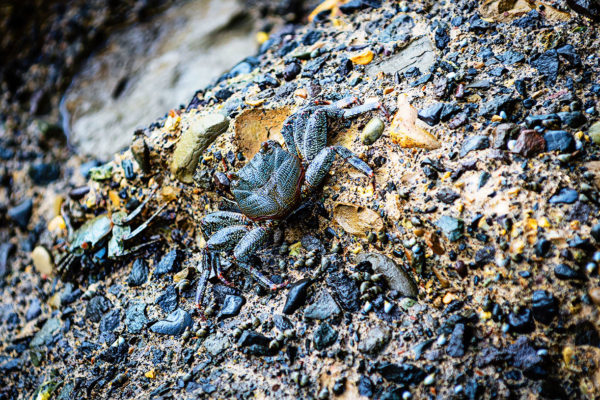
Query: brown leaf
[[357, 220], [406, 132], [254, 126]]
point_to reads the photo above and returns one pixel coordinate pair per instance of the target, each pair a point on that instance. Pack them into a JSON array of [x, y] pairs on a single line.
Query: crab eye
[[85, 245]]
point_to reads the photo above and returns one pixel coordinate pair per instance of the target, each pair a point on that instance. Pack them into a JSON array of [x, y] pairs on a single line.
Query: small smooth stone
[[595, 295], [372, 131], [42, 261]]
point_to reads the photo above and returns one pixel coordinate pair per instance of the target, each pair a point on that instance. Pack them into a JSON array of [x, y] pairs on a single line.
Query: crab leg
[[318, 169], [204, 268], [287, 131], [138, 209], [260, 278], [215, 221], [143, 226], [250, 243]]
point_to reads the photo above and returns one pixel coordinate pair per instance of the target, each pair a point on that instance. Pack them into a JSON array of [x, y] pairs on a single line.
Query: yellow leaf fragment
[[363, 58], [405, 131]]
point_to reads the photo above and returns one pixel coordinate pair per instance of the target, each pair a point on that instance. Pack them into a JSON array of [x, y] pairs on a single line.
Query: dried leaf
[[363, 58], [254, 126], [406, 132], [357, 220]]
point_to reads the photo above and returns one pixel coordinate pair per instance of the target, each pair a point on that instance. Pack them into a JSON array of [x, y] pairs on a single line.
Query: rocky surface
[[468, 270]]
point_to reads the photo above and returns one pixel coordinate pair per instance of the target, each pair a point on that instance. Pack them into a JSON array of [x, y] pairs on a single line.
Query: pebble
[[397, 278], [431, 115], [376, 339], [452, 227], [34, 310], [216, 343], [529, 143], [45, 335], [521, 321], [595, 295], [96, 307], [42, 261], [167, 301], [169, 263], [135, 316], [405, 374], [473, 143], [544, 306], [296, 296], [174, 325], [564, 196], [324, 307], [458, 341], [291, 71], [110, 321], [561, 141], [589, 8], [324, 336], [232, 306], [594, 132], [564, 272], [139, 273], [21, 213], [365, 386], [44, 173], [372, 131]]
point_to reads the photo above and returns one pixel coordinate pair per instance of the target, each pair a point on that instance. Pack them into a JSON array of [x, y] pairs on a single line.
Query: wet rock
[[431, 114], [110, 321], [250, 338], [174, 325], [397, 278], [97, 306], [542, 247], [451, 227], [561, 141], [589, 8], [21, 213], [544, 306], [216, 344], [529, 143], [496, 105], [564, 196], [564, 272], [232, 306], [42, 260], [169, 263], [573, 119], [458, 341], [296, 297], [485, 256], [291, 71], [43, 174], [167, 301], [324, 307], [139, 273], [521, 321], [45, 335], [196, 138], [441, 37], [446, 195], [135, 317], [376, 339], [34, 310], [115, 354], [472, 143], [547, 65], [406, 374], [6, 250], [324, 336]]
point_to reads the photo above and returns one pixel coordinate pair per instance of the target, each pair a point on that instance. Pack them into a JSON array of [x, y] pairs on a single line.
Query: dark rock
[[396, 277], [595, 232], [312, 67], [406, 374], [169, 263], [324, 336], [452, 227], [458, 341], [472, 143], [324, 307], [490, 355], [441, 37], [523, 355], [250, 338], [167, 301], [135, 317], [547, 65], [544, 306], [589, 8], [110, 321], [478, 25], [485, 256], [296, 297], [311, 37], [521, 321], [232, 306], [561, 141], [45, 335], [503, 133], [431, 114], [376, 339], [542, 247], [345, 291], [6, 249], [449, 110], [97, 306], [573, 119], [21, 213], [531, 20], [174, 325], [291, 71], [564, 196], [357, 5], [564, 272], [511, 57], [34, 310], [282, 322], [498, 71], [586, 334], [529, 143], [365, 386], [43, 174], [139, 273], [446, 195], [536, 120], [496, 105], [115, 354]]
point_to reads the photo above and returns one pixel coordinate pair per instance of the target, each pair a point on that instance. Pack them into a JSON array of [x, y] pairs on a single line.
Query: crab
[[271, 186], [104, 236]]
